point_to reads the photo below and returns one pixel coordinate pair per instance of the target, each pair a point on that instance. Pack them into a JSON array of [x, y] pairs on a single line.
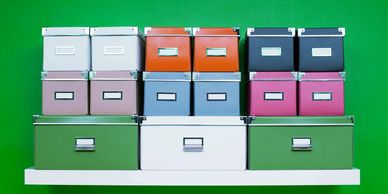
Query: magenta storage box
[[321, 94], [272, 93], [65, 93], [113, 93]]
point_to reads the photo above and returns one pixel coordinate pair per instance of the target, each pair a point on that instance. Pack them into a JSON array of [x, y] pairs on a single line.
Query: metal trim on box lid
[[113, 75], [186, 29], [277, 76], [66, 31], [328, 76], [217, 76], [198, 29], [167, 76], [116, 31], [290, 30], [340, 32], [64, 76]]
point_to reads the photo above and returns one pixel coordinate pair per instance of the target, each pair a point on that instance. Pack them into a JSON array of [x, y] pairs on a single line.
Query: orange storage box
[[168, 49], [216, 49]]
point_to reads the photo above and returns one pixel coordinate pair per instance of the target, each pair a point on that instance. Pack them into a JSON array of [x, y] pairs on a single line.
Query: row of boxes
[[169, 49], [289, 93], [192, 143], [118, 93]]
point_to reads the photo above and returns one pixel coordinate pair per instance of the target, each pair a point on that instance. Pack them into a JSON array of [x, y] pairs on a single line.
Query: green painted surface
[[365, 57], [270, 146], [115, 139]]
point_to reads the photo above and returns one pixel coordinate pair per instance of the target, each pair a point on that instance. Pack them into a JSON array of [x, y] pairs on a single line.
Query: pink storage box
[[65, 93], [321, 94], [114, 93], [272, 93]]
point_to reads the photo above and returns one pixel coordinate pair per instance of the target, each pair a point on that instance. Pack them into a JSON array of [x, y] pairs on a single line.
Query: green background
[[366, 65]]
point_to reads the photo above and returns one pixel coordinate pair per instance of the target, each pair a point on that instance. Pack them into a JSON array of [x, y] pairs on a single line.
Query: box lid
[[64, 75], [193, 121], [165, 31], [167, 76], [115, 31], [271, 32], [235, 31], [273, 76], [65, 31], [217, 77], [113, 75], [85, 120], [321, 76], [301, 121], [321, 32]]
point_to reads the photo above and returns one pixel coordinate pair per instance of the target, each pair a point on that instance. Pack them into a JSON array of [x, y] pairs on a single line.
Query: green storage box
[[299, 143], [86, 143]]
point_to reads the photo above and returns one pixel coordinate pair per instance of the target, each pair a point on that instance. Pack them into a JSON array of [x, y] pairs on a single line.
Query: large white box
[[193, 143], [66, 49], [117, 49]]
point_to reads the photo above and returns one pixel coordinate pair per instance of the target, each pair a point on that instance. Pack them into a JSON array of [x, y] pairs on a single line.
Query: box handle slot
[[216, 52], [193, 144], [163, 96], [301, 144], [64, 95], [65, 50], [85, 144], [271, 51], [321, 52], [216, 96], [114, 50], [167, 52], [112, 95], [273, 95], [322, 96]]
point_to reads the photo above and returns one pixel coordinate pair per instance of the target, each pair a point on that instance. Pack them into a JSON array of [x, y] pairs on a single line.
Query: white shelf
[[140, 177]]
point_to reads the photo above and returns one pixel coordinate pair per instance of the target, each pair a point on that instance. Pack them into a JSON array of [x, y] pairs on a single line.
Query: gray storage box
[[117, 49], [66, 49]]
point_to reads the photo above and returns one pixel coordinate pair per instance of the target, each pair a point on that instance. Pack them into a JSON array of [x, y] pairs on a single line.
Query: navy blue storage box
[[321, 49], [167, 94], [270, 49], [217, 94]]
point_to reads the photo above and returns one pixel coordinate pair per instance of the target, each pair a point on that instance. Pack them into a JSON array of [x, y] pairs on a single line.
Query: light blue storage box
[[217, 94], [167, 93]]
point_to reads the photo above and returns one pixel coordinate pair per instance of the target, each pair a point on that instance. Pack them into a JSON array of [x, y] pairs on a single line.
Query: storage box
[[66, 49], [216, 49], [321, 94], [117, 49], [65, 93], [114, 93], [270, 49], [300, 143], [193, 143], [86, 143], [272, 93], [217, 94], [321, 49], [168, 49], [167, 93]]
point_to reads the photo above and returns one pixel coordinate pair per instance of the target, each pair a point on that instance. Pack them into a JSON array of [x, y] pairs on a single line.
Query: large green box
[[86, 142], [290, 143]]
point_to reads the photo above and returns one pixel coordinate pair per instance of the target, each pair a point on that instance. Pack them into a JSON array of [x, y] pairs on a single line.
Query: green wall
[[366, 66]]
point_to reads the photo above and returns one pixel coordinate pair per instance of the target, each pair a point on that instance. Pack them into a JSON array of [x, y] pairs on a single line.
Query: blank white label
[[166, 97], [114, 50], [84, 141], [192, 141], [322, 95], [216, 96], [64, 95], [112, 95], [321, 52], [216, 52], [300, 141], [65, 50], [271, 51], [273, 95], [168, 51]]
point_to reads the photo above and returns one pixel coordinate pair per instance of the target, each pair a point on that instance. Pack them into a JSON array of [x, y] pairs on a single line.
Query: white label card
[[321, 52], [192, 141], [216, 96], [166, 96], [271, 51], [216, 52], [64, 95], [84, 141], [113, 50], [167, 51], [273, 96], [112, 95], [317, 96], [301, 141], [65, 50]]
